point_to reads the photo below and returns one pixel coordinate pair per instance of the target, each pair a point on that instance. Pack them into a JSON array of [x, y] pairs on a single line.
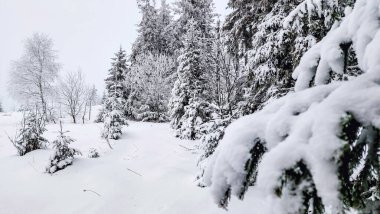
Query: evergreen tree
[[200, 14], [29, 137], [165, 18], [148, 29], [155, 32], [1, 107], [198, 11], [281, 36], [63, 155], [238, 27], [114, 103], [189, 105]]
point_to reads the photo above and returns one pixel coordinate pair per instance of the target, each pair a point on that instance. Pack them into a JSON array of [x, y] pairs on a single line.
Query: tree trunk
[[43, 102], [84, 113], [89, 111]]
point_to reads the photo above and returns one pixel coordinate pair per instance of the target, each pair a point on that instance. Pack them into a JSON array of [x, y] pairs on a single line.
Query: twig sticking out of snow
[[188, 149], [88, 190], [108, 142], [134, 172]]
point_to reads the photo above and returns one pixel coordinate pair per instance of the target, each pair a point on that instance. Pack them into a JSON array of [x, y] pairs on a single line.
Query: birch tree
[[33, 75]]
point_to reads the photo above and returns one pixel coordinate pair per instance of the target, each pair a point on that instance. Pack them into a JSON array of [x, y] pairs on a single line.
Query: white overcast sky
[[86, 33]]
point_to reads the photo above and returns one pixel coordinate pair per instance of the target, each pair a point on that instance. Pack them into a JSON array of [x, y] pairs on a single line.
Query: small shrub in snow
[[196, 114], [63, 155], [29, 137], [93, 153], [100, 117]]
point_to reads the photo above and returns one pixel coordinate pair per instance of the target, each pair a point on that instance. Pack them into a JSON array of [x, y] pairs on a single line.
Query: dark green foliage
[[257, 153], [298, 182], [359, 165], [251, 165]]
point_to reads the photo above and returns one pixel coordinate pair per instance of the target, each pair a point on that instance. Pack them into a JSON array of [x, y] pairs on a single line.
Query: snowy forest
[[271, 108]]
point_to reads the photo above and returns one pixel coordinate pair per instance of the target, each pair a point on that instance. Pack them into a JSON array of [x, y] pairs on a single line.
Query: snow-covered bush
[[315, 150], [93, 153], [100, 116], [196, 114], [63, 155], [144, 114], [29, 136]]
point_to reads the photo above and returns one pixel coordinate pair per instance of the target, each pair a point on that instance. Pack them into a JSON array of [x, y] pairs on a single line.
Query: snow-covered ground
[[146, 172]]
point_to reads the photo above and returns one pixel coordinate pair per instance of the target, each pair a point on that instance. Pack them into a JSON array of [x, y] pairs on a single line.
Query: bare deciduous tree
[[92, 97], [33, 75], [73, 94]]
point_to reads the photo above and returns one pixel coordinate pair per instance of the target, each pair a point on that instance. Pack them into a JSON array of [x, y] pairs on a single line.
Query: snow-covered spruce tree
[[154, 30], [189, 106], [114, 103], [1, 107], [315, 150], [198, 11], [63, 155], [238, 28], [148, 38], [281, 36], [29, 136], [168, 44]]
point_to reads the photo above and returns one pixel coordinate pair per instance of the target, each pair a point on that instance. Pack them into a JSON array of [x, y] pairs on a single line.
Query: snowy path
[[165, 184]]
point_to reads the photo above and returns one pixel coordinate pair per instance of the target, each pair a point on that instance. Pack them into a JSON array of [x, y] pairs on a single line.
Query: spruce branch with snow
[[329, 132], [63, 154]]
